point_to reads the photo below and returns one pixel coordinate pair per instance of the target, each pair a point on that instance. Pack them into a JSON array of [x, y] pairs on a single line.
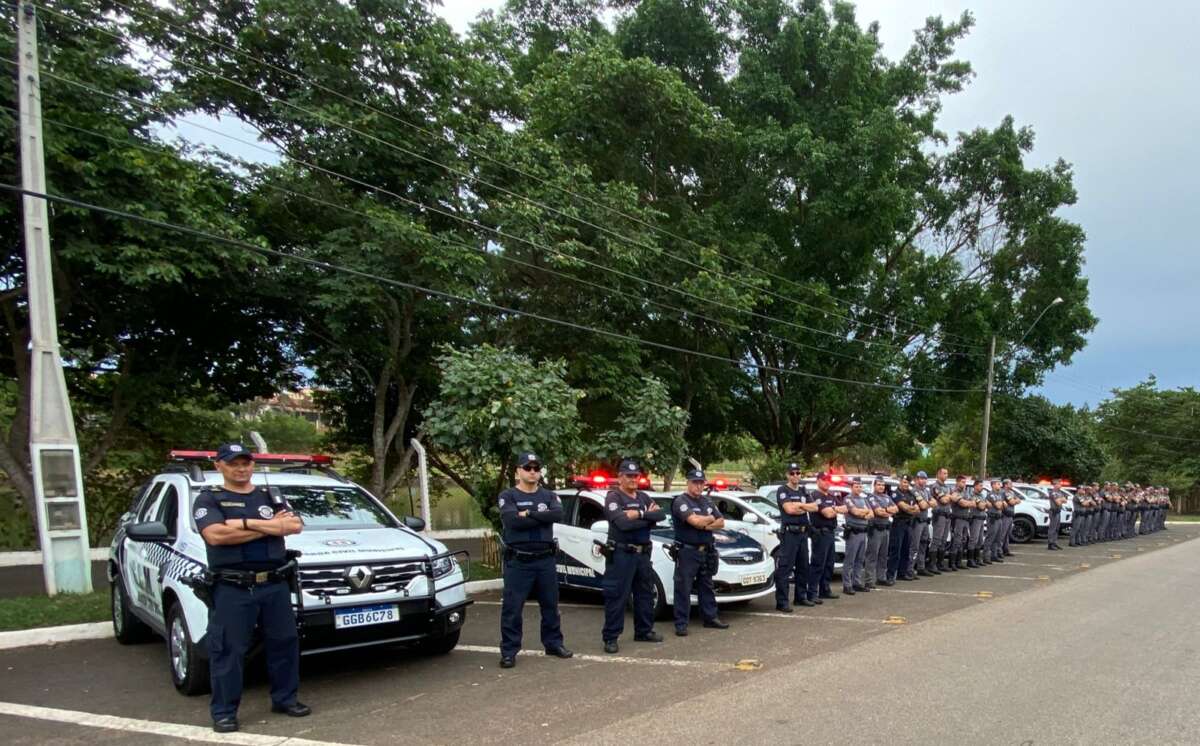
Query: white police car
[[769, 493], [367, 577], [1031, 517], [745, 571], [745, 512]]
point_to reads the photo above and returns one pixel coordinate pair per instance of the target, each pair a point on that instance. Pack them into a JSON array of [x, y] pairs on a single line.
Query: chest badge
[[265, 511]]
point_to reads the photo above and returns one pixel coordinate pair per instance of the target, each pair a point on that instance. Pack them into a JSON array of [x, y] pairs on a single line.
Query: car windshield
[[758, 502], [326, 507]]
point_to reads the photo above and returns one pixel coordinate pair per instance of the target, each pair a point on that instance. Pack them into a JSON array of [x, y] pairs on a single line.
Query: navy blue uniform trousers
[[523, 578], [820, 567], [628, 572], [791, 565], [691, 569], [899, 550], [231, 622]]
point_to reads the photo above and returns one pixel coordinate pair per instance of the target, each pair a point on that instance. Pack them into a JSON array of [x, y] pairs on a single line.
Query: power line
[[682, 312], [453, 296], [479, 180]]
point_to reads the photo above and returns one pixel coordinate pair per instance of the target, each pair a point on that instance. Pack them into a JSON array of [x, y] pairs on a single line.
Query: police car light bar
[[263, 458], [723, 484], [599, 480]]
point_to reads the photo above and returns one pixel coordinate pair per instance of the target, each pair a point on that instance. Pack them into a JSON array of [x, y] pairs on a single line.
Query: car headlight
[[1040, 509], [443, 566]]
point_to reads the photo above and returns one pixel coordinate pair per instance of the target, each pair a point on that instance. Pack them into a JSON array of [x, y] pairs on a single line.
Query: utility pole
[[987, 410], [53, 448]]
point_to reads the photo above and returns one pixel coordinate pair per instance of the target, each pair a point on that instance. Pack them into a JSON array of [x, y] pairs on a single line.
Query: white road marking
[[53, 635], [602, 658], [930, 593], [169, 730], [1002, 577], [803, 617]]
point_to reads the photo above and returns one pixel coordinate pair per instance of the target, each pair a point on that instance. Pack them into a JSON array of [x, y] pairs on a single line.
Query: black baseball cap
[[527, 458], [629, 467], [822, 476], [793, 466], [230, 451], [695, 475]]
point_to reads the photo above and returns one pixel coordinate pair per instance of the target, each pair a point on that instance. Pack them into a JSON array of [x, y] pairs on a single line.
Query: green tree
[[284, 433], [651, 430], [148, 319], [492, 404], [1153, 436]]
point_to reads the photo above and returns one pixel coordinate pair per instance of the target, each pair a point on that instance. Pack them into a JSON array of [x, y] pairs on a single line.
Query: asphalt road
[[1008, 639]]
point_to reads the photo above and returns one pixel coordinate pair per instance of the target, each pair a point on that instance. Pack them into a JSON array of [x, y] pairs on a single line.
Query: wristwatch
[[244, 526]]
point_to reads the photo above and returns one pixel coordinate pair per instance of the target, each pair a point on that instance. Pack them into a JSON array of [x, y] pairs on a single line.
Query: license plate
[[364, 616], [754, 579]]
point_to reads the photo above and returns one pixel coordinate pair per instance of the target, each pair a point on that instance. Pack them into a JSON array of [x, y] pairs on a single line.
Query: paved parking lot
[[391, 696]]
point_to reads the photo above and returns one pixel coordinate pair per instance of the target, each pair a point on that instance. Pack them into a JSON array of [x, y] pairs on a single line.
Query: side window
[[146, 509], [730, 510], [773, 496], [589, 513], [569, 503], [168, 510]]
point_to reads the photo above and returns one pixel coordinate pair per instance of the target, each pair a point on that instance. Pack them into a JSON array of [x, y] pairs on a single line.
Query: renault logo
[[359, 577]]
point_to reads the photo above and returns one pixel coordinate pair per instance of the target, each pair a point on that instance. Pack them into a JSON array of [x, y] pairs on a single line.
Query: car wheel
[[1023, 530], [189, 668], [439, 645], [127, 628], [661, 609]]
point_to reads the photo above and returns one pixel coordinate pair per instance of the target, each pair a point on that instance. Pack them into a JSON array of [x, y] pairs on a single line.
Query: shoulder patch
[[265, 511], [612, 506], [200, 513], [542, 507], [502, 502], [683, 507]]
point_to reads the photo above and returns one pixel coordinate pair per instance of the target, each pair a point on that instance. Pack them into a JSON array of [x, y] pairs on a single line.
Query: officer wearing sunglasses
[[528, 513]]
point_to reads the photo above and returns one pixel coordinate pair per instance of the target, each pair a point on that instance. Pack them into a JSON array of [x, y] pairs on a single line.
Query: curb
[[18, 559], [22, 638]]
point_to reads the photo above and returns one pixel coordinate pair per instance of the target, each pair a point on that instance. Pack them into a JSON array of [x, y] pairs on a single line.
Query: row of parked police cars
[[369, 577]]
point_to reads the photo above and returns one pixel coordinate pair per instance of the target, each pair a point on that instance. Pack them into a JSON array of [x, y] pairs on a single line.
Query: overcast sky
[[1111, 88]]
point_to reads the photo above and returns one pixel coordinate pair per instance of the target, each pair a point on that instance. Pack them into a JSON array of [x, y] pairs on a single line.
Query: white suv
[[366, 577]]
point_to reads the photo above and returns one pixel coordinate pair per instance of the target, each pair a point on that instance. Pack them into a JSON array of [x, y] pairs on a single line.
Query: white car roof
[[279, 478]]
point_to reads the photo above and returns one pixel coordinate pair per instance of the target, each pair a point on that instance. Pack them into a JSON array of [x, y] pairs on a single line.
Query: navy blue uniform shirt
[[824, 500], [216, 505], [626, 530], [536, 530], [685, 505], [788, 495]]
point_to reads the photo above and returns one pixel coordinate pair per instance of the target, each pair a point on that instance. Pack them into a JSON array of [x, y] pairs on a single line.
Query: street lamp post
[[987, 402]]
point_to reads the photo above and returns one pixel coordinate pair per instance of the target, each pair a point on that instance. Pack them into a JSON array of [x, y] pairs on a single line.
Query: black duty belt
[[531, 554], [921, 519], [978, 517], [853, 530], [792, 528], [821, 531], [877, 528], [249, 578], [634, 548], [700, 547]]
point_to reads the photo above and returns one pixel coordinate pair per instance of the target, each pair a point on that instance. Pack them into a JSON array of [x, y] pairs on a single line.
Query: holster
[[712, 561], [201, 584], [673, 550], [606, 548]]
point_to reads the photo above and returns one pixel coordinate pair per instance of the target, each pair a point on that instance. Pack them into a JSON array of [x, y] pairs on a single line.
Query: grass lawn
[[26, 612], [480, 571], [1184, 518]]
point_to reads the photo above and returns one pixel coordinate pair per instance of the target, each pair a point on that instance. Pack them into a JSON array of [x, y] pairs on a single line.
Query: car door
[[137, 570], [577, 563]]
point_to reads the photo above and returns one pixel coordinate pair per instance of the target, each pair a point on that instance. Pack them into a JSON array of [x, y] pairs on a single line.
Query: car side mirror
[[600, 527], [148, 531], [750, 518], [415, 523]]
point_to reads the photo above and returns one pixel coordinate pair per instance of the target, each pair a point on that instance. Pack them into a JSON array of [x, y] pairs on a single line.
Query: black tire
[[439, 645], [1023, 530], [662, 610], [188, 666], [127, 628]]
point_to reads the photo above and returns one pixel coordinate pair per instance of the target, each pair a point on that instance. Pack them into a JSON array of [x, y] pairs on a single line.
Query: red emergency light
[[836, 478], [598, 480], [720, 483], [261, 458]]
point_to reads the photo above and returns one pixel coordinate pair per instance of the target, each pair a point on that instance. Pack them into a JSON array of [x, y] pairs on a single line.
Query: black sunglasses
[[532, 467], [794, 473]]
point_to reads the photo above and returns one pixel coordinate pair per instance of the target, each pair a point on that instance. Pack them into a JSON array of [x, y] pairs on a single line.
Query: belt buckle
[[261, 577]]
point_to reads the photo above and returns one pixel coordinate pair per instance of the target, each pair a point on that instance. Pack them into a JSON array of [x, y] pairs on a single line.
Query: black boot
[[971, 563], [955, 561]]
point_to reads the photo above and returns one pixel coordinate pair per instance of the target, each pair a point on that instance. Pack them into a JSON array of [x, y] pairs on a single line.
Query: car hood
[[727, 541], [319, 547]]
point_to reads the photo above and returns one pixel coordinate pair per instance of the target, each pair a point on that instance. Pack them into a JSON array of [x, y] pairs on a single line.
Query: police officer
[[995, 522], [923, 559], [1012, 499], [879, 533], [858, 518], [900, 554], [1058, 498], [791, 558], [824, 523], [962, 505], [528, 513], [695, 518], [1078, 516], [979, 492], [243, 529], [943, 520], [631, 514]]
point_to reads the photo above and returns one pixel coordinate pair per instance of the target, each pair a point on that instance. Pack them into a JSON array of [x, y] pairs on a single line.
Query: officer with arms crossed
[[791, 558], [899, 566], [243, 531], [1058, 498], [695, 518], [528, 513], [943, 520], [962, 504], [921, 554], [878, 535], [858, 517], [824, 523], [631, 514]]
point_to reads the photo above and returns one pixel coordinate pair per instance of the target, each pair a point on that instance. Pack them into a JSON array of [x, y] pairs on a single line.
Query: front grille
[[742, 556], [336, 581]]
